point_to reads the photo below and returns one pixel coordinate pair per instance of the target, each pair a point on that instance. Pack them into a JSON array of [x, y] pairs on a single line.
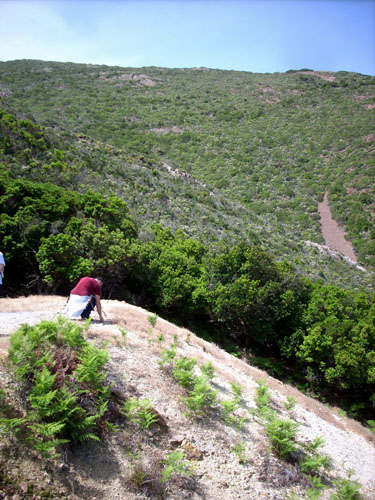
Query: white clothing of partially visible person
[[76, 305], [2, 265]]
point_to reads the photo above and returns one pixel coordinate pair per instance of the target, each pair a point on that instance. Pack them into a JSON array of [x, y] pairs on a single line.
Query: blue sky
[[248, 35]]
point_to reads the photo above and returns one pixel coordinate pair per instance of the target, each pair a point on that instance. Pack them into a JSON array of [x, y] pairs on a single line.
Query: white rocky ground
[[103, 470]]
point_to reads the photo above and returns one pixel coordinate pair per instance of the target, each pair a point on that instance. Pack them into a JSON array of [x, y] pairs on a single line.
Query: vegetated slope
[[229, 462], [55, 228], [246, 156]]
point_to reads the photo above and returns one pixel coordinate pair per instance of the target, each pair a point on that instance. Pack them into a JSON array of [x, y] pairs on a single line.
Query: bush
[[255, 298], [59, 235], [337, 343]]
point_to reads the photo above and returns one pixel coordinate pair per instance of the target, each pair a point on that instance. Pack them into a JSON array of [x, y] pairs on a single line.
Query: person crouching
[[83, 299]]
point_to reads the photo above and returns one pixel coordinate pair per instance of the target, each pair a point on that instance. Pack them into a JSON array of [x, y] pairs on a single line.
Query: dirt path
[[333, 235]]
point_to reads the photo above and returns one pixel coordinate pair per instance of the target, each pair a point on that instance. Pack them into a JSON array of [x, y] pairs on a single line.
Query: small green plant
[[168, 355], [347, 489], [229, 407], [146, 472], [315, 492], [183, 371], [139, 411], [200, 398], [208, 370], [263, 396], [236, 390], [175, 465], [239, 451], [139, 474], [124, 334], [160, 338], [12, 425], [282, 434], [313, 461], [262, 401], [152, 319], [290, 403]]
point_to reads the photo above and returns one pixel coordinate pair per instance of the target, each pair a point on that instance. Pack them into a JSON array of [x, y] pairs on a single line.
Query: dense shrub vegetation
[[61, 234], [192, 192]]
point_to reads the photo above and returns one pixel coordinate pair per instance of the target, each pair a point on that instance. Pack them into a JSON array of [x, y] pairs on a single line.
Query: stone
[[176, 440], [191, 452]]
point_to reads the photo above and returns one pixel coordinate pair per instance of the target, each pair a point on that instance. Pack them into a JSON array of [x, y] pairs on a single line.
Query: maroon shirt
[[86, 286]]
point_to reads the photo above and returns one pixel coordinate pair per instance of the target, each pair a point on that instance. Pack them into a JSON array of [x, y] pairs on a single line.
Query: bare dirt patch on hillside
[[102, 470], [333, 234], [324, 75]]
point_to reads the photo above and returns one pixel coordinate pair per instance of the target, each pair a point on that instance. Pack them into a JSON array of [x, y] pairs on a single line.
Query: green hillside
[[193, 193], [218, 154]]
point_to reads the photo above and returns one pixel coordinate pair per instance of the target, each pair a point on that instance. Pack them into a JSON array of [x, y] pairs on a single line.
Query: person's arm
[[1, 268], [99, 308]]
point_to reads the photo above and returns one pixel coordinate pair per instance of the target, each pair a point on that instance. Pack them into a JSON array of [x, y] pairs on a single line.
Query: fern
[[64, 378], [43, 439], [230, 406], [139, 411], [208, 370], [236, 390], [174, 464], [314, 461], [282, 434], [239, 451], [168, 355], [346, 489], [200, 398], [14, 425], [92, 361], [183, 371], [152, 319]]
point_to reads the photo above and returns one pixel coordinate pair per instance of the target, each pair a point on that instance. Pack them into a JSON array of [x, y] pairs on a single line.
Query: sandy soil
[[102, 471]]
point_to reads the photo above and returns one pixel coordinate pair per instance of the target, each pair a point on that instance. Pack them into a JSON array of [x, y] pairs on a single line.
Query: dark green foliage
[[337, 342], [21, 137], [60, 235], [170, 267], [257, 299]]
